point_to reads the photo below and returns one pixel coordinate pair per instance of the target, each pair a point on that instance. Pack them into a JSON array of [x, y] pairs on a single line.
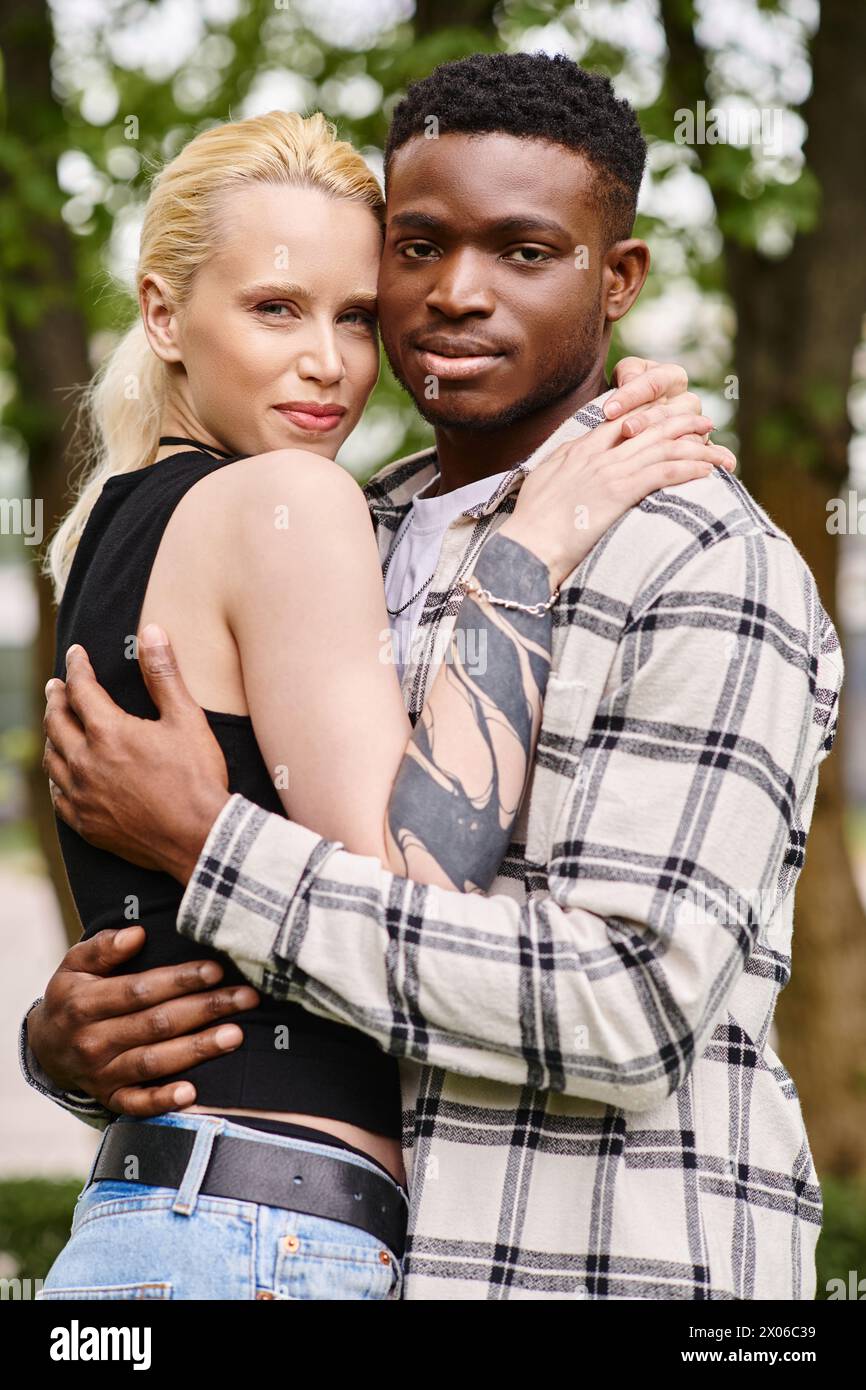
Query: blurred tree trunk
[[799, 321], [47, 333]]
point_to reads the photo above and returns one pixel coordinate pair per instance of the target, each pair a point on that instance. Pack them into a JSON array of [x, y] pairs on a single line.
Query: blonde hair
[[121, 409]]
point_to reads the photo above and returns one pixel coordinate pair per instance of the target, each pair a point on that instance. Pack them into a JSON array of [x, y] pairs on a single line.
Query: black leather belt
[[272, 1175]]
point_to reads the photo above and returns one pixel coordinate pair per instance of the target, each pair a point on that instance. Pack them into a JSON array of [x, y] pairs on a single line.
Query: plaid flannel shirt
[[591, 1104]]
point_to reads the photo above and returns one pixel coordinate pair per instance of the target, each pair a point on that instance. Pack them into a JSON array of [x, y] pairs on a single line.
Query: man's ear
[[626, 266], [159, 316]]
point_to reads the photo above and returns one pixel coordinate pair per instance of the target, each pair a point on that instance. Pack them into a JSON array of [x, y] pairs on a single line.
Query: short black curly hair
[[534, 95]]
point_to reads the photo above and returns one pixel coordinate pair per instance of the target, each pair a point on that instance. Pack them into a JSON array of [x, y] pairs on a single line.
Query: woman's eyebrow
[[276, 289], [281, 289], [366, 298]]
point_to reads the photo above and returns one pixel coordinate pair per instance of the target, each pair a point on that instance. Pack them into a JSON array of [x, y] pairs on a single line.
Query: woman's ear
[[626, 266], [159, 317]]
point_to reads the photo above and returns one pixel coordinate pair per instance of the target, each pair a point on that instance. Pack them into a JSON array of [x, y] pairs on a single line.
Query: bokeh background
[[755, 208]]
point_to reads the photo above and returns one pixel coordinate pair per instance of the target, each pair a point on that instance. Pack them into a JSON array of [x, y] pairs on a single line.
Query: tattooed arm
[[461, 781], [436, 802]]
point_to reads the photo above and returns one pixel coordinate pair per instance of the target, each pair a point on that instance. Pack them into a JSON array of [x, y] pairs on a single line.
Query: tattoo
[[460, 784]]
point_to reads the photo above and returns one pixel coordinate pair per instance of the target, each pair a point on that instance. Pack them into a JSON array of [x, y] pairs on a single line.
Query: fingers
[[674, 461], [668, 428], [63, 729], [59, 776], [161, 673], [627, 368], [686, 404], [103, 952], [85, 695], [145, 1102], [188, 987], [179, 1020], [668, 473], [63, 807], [140, 1067], [660, 379], [683, 427]]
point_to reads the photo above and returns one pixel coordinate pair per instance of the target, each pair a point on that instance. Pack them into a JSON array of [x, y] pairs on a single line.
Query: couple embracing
[[442, 834]]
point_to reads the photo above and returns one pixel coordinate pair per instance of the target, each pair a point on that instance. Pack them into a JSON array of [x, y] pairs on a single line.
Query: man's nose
[[460, 288]]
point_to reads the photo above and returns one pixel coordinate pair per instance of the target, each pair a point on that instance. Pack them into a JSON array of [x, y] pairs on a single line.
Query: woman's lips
[[456, 368], [313, 423]]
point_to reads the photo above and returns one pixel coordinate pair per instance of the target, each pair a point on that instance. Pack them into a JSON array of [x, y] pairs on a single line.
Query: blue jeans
[[133, 1241]]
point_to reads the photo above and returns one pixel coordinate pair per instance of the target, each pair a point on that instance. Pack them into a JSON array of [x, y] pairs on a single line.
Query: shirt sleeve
[[667, 854], [84, 1107]]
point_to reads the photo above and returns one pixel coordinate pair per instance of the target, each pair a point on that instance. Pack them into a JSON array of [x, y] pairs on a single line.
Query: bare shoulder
[[282, 484], [286, 471]]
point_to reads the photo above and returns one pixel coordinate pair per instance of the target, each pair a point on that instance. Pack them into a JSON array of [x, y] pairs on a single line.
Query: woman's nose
[[321, 360]]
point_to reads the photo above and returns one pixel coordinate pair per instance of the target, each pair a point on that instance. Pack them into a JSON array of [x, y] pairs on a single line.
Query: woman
[[216, 506]]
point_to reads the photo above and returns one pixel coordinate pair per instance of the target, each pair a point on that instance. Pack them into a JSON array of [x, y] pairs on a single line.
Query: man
[[592, 1106]]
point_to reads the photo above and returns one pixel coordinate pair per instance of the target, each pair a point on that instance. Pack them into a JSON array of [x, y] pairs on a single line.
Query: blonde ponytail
[[122, 409], [118, 424]]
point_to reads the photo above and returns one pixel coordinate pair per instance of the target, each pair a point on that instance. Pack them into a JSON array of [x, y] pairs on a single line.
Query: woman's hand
[[570, 499], [639, 381]]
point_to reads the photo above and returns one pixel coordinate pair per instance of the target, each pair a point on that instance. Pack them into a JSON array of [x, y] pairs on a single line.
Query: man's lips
[[309, 415], [455, 359]]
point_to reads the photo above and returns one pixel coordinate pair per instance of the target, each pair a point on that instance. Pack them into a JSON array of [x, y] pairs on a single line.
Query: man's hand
[[147, 789], [109, 1036]]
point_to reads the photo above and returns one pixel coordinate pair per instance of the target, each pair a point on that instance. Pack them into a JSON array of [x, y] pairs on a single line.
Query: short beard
[[560, 375]]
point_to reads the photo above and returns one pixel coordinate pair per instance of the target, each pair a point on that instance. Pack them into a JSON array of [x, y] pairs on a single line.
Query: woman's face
[[278, 340]]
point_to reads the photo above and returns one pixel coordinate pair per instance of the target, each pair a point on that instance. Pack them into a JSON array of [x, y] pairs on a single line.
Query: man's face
[[493, 285]]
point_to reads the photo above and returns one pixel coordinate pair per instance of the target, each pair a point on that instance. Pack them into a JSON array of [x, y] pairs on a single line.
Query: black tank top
[[290, 1059]]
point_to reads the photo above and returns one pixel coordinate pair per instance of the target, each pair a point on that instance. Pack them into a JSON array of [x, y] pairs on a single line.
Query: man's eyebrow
[[418, 219], [530, 221], [526, 222]]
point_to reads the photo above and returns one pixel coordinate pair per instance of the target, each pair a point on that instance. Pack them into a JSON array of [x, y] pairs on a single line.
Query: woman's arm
[[306, 608]]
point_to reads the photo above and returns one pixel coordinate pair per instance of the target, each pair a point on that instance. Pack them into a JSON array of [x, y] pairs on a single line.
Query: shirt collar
[[389, 492]]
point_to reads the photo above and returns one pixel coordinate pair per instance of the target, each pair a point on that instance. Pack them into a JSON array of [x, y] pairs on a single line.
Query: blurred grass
[[35, 1216], [842, 1246]]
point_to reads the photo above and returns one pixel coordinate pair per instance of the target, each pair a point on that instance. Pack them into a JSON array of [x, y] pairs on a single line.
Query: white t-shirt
[[415, 553]]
